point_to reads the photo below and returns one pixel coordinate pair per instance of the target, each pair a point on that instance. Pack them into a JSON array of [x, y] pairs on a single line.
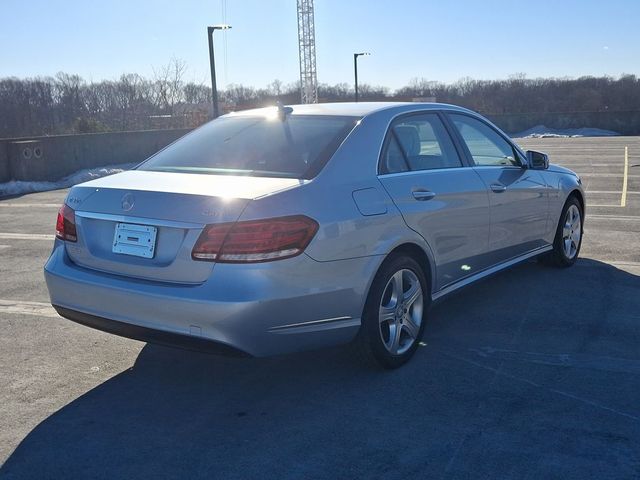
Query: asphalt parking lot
[[534, 373]]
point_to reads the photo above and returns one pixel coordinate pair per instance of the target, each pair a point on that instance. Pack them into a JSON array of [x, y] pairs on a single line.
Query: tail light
[[66, 224], [255, 240]]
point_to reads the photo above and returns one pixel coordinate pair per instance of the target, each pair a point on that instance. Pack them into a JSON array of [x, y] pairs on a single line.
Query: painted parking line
[[26, 236], [576, 165], [625, 182], [623, 199], [18, 307], [612, 192], [29, 205], [606, 175], [624, 218]]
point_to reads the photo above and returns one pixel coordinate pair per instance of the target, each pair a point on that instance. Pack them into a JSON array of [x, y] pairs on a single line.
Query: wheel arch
[[580, 197], [416, 252]]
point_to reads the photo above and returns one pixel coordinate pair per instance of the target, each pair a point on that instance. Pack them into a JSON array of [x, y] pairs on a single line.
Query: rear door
[[518, 195], [439, 196]]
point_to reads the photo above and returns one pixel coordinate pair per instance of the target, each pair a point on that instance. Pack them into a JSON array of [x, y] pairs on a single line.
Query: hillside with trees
[[67, 103]]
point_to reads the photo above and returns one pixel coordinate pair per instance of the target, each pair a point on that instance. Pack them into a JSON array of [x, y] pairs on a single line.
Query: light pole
[[214, 90], [355, 68]]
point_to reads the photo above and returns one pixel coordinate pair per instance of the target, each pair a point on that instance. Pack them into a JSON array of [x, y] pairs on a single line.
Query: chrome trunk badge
[[127, 202]]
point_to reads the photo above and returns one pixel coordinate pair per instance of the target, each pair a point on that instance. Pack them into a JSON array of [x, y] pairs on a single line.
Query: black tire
[[369, 344], [558, 257]]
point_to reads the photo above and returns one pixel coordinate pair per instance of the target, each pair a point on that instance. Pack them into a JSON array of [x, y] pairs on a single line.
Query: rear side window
[[418, 142], [297, 146], [486, 146]]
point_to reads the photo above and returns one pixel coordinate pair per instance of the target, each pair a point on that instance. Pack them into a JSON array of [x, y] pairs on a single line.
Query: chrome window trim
[[418, 111], [427, 170], [386, 131], [442, 109], [523, 158], [512, 167]]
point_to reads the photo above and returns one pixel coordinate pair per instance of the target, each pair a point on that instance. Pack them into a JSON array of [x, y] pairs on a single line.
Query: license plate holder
[[136, 240]]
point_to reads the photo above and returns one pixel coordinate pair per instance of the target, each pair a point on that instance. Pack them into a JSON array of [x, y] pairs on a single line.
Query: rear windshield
[[297, 146]]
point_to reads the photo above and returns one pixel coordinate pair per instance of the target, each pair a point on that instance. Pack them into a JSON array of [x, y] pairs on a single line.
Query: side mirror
[[537, 160]]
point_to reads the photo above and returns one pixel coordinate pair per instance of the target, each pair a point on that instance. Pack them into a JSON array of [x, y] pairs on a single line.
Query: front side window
[[297, 146], [418, 142], [486, 146]]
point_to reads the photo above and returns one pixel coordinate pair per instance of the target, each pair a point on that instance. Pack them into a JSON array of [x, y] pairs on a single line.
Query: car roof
[[360, 109]]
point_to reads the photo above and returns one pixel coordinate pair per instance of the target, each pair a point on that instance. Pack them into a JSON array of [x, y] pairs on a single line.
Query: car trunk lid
[[144, 224]]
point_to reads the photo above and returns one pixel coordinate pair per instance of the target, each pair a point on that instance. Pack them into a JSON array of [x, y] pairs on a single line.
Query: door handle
[[498, 187], [423, 195]]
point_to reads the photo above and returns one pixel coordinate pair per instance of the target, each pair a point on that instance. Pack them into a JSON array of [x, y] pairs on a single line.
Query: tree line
[[67, 103]]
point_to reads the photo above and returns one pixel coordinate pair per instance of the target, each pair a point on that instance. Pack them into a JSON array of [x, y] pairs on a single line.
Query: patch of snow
[[17, 187], [540, 131]]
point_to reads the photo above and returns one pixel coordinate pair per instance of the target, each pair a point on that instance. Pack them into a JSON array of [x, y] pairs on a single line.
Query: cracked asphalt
[[533, 373]]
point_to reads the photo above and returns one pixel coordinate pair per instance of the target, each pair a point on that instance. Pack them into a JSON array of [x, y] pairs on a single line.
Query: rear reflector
[[255, 240], [66, 224]]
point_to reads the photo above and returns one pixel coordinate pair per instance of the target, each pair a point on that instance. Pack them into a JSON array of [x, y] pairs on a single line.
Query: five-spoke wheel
[[394, 315], [400, 314], [568, 239], [572, 231]]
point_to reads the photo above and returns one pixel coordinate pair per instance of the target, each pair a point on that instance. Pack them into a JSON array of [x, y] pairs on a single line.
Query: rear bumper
[[258, 309], [145, 334]]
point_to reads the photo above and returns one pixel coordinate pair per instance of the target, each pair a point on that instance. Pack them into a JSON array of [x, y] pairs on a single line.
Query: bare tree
[[67, 103], [197, 93], [168, 84]]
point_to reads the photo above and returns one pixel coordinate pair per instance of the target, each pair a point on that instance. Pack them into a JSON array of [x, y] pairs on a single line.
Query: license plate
[[136, 240]]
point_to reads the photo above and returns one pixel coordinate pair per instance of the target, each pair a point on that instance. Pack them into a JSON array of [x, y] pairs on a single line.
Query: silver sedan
[[290, 228]]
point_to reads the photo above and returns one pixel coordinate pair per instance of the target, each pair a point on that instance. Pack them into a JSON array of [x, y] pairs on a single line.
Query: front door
[[518, 195]]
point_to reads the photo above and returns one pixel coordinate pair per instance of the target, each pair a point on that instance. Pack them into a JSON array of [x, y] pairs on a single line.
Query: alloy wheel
[[571, 232], [400, 314]]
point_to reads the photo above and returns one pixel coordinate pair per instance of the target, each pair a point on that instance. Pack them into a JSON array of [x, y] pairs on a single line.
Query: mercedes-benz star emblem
[[127, 202]]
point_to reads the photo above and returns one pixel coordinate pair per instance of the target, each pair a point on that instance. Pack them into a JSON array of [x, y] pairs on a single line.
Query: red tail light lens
[[255, 240], [66, 224]]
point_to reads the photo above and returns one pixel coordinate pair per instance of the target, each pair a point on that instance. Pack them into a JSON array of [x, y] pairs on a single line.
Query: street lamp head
[[221, 26], [366, 54]]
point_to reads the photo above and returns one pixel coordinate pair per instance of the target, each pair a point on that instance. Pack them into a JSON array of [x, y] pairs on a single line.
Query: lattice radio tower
[[307, 48]]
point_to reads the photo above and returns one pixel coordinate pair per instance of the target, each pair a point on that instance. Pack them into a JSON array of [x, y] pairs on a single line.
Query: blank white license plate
[[136, 240]]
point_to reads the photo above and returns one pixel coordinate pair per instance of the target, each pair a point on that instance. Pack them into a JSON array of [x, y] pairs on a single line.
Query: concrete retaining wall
[[52, 158], [5, 171]]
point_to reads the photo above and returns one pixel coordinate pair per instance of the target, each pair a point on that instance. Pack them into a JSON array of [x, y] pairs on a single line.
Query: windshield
[[297, 146]]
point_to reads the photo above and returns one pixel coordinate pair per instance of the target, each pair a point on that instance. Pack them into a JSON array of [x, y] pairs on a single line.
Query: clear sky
[[435, 39]]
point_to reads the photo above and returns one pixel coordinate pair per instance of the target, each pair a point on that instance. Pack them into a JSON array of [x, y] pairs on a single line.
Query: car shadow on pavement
[[533, 373]]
